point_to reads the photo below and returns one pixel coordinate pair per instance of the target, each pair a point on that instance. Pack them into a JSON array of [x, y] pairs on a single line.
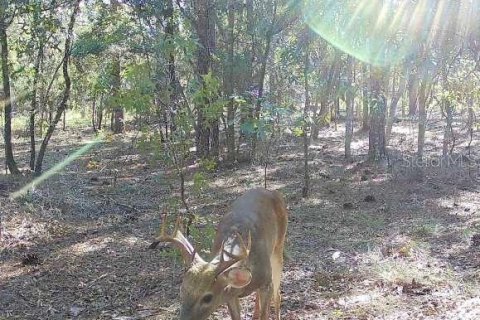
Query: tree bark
[[118, 113], [230, 127], [422, 117], [306, 113], [261, 84], [100, 113], [392, 111], [350, 110], [7, 99], [36, 77], [206, 34], [66, 92], [376, 137], [170, 30], [94, 114], [413, 93], [365, 100]]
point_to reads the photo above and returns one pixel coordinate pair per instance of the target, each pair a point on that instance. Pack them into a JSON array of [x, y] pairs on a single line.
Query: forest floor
[[387, 241]]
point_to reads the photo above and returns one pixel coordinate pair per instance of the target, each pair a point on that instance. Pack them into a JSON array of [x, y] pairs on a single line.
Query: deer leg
[[256, 310], [265, 295], [234, 308], [277, 266]]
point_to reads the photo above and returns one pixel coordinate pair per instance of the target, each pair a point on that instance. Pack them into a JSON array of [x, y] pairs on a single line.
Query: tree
[[205, 29], [5, 21], [397, 93], [66, 92], [349, 99], [306, 114], [378, 103]]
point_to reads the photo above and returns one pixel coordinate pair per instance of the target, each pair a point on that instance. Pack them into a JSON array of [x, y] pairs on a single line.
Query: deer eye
[[207, 298]]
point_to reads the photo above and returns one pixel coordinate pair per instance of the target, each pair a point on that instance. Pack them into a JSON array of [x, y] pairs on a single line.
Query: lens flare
[[59, 166], [382, 32]]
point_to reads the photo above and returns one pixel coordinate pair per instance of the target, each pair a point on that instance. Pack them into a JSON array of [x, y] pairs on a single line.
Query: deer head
[[208, 284]]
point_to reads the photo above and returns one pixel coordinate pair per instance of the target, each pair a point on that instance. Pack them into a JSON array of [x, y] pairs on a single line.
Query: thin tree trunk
[[33, 111], [448, 141], [376, 137], [66, 92], [100, 113], [413, 93], [206, 34], [64, 121], [36, 77], [118, 125], [365, 100], [422, 117], [261, 84], [94, 114], [397, 94], [9, 158], [230, 130], [350, 110], [315, 116], [170, 30], [306, 126]]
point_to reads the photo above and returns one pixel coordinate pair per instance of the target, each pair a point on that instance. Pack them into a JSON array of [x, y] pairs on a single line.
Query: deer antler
[[234, 258], [177, 239]]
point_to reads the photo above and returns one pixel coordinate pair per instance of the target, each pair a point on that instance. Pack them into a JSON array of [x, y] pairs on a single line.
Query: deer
[[246, 258]]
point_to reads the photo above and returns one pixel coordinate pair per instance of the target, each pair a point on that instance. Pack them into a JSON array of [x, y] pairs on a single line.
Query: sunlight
[[382, 32], [59, 166], [91, 245], [13, 98]]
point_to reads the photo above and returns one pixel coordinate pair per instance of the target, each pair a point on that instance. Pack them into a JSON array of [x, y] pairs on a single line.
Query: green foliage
[[272, 117], [139, 89], [149, 143], [89, 44], [199, 182], [206, 95], [204, 236], [209, 165]]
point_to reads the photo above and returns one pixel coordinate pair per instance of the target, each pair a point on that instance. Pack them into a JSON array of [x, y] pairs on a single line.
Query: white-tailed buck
[[247, 257]]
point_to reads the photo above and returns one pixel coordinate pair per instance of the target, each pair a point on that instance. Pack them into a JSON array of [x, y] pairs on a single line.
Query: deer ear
[[238, 277]]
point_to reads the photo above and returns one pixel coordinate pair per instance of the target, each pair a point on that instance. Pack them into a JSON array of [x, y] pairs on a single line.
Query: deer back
[[247, 240], [260, 214]]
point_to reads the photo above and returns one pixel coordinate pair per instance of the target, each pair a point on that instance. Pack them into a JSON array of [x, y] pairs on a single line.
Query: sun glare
[[384, 32]]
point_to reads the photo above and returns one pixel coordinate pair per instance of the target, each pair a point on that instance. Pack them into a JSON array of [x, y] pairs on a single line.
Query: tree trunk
[[315, 124], [365, 100], [100, 113], [230, 128], [376, 137], [306, 113], [350, 110], [447, 146], [412, 93], [422, 117], [246, 112], [36, 76], [170, 32], [397, 94], [64, 121], [336, 112], [205, 29], [7, 99], [66, 92], [261, 84], [118, 113], [215, 139], [118, 125], [94, 114]]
